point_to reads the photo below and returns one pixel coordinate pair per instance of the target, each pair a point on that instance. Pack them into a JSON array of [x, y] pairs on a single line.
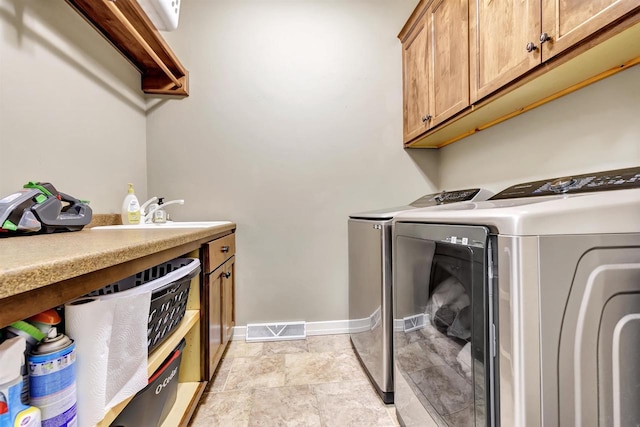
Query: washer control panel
[[446, 197], [618, 179]]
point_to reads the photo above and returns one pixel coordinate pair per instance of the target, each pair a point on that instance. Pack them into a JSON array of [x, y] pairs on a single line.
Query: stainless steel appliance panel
[[518, 326], [370, 301], [590, 324], [569, 322]]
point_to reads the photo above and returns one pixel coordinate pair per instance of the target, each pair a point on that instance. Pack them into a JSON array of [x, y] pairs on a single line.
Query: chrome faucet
[[150, 207]]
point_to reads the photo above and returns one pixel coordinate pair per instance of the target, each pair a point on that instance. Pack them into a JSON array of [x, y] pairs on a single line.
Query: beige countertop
[[31, 262]]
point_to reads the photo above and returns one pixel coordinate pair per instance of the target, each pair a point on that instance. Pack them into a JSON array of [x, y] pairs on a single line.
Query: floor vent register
[[276, 331]]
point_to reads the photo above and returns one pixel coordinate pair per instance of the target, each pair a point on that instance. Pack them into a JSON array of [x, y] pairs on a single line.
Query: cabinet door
[[567, 22], [499, 31], [213, 325], [448, 24], [228, 300], [415, 79]]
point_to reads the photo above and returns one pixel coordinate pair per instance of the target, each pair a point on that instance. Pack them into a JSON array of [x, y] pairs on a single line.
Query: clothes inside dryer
[[449, 304]]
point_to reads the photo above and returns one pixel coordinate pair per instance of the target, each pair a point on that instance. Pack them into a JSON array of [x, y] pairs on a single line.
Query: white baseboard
[[329, 327], [239, 332]]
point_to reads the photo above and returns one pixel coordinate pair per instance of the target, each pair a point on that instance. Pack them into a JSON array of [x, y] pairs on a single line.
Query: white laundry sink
[[163, 226]]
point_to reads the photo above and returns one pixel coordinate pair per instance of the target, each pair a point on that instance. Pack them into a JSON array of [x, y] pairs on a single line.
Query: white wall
[[71, 111], [596, 128], [294, 121]]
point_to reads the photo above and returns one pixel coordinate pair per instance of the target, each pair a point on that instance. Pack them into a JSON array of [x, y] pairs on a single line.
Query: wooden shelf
[[139, 41], [186, 402], [114, 412]]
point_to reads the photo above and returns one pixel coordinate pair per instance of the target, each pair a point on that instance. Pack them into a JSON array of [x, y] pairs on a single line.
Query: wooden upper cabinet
[[567, 22], [448, 24], [415, 80], [435, 61], [471, 64], [499, 31]]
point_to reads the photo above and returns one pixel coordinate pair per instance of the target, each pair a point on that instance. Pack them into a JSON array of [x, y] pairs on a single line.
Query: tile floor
[[312, 382]]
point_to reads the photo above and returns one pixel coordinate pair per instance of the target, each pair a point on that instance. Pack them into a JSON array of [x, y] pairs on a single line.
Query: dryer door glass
[[442, 354]]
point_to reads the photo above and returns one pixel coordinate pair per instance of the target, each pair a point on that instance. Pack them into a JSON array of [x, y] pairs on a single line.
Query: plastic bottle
[[131, 208], [159, 215], [12, 411], [32, 336]]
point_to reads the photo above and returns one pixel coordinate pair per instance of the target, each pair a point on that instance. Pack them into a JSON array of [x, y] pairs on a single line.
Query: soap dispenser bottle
[[159, 215], [131, 208]]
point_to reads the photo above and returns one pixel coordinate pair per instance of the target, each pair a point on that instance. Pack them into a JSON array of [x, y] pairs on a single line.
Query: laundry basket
[[151, 405], [169, 283]]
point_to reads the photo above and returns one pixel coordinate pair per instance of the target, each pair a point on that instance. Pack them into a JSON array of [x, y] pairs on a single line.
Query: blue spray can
[[52, 380]]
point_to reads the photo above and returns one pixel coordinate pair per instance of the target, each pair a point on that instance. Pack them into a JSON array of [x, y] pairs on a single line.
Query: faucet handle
[[146, 204]]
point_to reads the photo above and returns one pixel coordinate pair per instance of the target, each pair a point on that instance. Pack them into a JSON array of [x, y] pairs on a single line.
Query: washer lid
[[380, 214], [584, 213], [428, 200]]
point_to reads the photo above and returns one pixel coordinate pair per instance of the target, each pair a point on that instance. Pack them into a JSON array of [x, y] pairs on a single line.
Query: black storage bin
[[152, 404], [169, 283]]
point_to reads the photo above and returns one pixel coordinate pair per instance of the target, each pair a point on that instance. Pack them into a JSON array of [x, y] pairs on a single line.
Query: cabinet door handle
[[544, 37], [426, 118], [531, 46], [226, 274], [225, 249]]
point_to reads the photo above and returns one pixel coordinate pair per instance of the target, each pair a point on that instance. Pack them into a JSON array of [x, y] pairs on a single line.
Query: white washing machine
[[523, 310], [370, 302]]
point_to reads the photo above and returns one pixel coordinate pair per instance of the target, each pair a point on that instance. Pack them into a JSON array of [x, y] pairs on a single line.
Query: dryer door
[[443, 299]]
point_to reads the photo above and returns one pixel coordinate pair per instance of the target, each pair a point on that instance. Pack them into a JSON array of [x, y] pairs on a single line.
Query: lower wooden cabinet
[[228, 300], [212, 325], [49, 289], [218, 301]]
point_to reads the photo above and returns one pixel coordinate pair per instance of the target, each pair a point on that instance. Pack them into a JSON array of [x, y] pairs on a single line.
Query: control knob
[[561, 185]]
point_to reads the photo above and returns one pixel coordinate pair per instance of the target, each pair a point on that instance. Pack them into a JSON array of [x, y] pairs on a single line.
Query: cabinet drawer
[[221, 250]]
